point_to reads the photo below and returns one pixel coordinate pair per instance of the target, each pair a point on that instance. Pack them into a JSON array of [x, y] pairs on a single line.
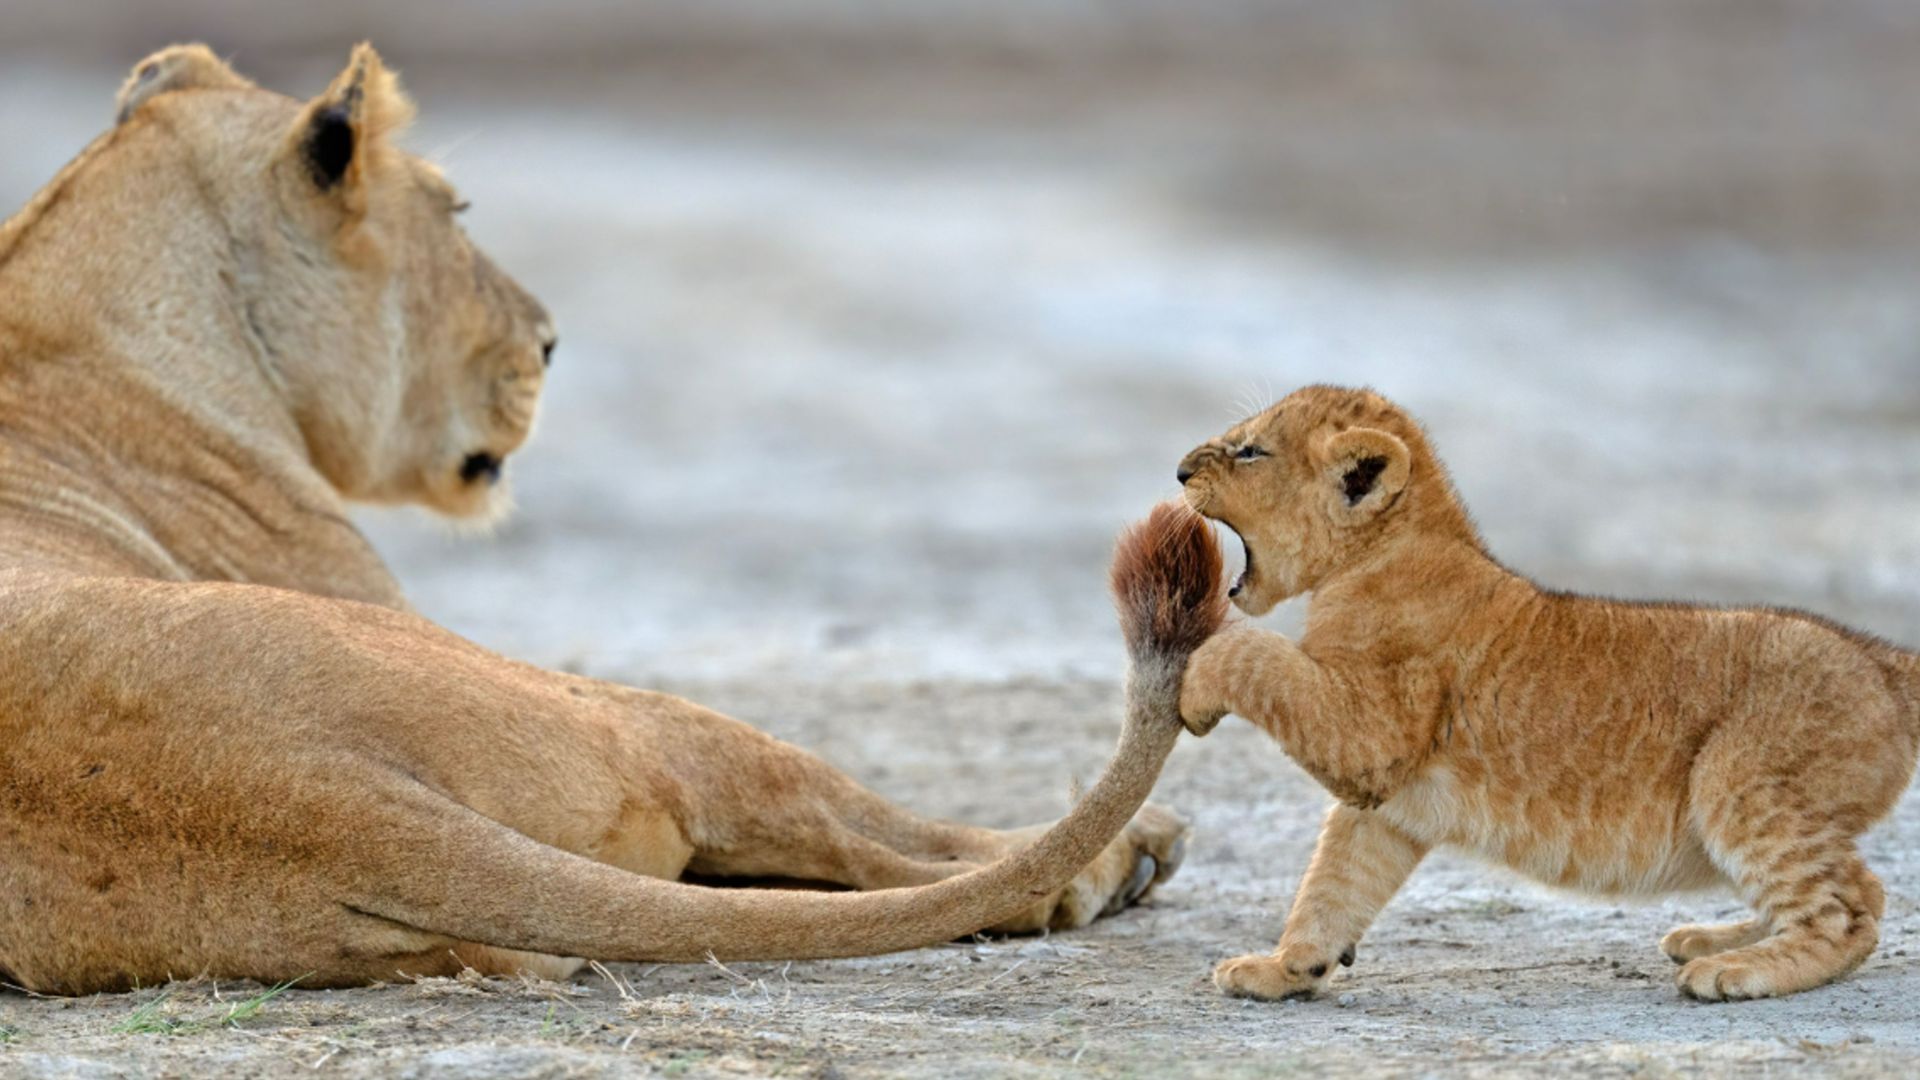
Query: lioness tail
[[512, 892]]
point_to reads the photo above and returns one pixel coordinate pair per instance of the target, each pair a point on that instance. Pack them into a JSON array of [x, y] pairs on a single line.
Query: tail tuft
[[1168, 583]]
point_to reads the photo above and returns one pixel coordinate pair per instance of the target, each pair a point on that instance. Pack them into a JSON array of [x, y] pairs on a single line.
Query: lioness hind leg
[[1140, 858], [489, 960], [780, 812], [1685, 943]]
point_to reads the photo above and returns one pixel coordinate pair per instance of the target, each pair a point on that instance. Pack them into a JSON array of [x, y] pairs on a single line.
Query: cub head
[[409, 362], [1314, 485]]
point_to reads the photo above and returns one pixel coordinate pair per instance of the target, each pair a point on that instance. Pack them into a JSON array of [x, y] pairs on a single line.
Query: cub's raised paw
[[1293, 972], [1202, 723]]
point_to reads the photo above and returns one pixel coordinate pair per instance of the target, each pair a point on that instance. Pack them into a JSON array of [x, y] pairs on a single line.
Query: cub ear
[[341, 133], [1366, 469], [176, 67]]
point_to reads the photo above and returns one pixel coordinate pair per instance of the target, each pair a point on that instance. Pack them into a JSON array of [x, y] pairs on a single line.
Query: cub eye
[[1248, 453]]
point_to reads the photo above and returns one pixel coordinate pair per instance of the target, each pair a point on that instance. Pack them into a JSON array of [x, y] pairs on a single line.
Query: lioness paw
[[1145, 854], [1294, 972]]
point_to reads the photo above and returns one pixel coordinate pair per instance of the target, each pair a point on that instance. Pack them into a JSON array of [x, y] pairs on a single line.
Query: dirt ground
[[1468, 973], [876, 328]]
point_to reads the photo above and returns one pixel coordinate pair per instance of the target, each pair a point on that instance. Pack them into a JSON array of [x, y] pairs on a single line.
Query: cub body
[[1615, 748]]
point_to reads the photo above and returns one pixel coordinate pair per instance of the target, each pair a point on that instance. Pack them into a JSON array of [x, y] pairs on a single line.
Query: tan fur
[[226, 745], [1616, 748]]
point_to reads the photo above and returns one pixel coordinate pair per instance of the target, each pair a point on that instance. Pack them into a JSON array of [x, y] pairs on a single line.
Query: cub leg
[[1825, 908], [1781, 825], [1359, 863]]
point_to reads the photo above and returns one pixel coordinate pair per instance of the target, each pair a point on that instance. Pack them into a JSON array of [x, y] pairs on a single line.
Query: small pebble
[[1346, 1001]]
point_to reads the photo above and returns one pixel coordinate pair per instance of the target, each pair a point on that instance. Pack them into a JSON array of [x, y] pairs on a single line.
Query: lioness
[[227, 747], [1617, 748]]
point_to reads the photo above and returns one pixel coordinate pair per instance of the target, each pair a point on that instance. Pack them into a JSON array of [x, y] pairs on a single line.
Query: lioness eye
[[1248, 453]]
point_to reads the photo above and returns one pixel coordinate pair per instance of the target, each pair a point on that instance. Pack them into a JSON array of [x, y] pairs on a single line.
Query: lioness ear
[[176, 67], [1366, 469], [343, 132]]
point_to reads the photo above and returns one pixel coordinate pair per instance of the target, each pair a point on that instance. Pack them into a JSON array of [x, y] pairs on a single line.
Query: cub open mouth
[[1246, 563], [478, 465]]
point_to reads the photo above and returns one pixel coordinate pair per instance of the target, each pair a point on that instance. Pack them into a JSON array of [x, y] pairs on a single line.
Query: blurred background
[[878, 320]]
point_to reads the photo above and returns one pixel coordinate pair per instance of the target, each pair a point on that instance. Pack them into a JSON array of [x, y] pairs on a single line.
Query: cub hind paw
[[1725, 978], [1688, 943]]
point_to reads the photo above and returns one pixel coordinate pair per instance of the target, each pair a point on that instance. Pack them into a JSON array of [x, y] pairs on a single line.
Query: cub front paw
[[1202, 721], [1203, 685], [1200, 706], [1293, 972]]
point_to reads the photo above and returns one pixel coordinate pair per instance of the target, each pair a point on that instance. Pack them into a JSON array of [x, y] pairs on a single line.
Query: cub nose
[[548, 339], [478, 464], [1190, 465]]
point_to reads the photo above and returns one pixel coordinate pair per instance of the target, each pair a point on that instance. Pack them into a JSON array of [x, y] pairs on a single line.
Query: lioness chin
[[1617, 748], [228, 747]]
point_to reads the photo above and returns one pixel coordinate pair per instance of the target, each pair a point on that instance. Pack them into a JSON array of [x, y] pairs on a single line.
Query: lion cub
[[1617, 748]]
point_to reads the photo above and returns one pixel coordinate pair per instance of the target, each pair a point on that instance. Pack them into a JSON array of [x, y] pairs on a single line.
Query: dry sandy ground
[[1468, 972], [870, 346]]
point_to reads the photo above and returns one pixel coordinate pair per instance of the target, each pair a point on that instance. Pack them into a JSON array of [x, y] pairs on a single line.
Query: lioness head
[[409, 362], [1316, 484]]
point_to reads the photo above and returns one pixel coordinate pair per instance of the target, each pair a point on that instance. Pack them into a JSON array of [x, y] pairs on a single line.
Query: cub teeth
[[1246, 562], [1246, 567]]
